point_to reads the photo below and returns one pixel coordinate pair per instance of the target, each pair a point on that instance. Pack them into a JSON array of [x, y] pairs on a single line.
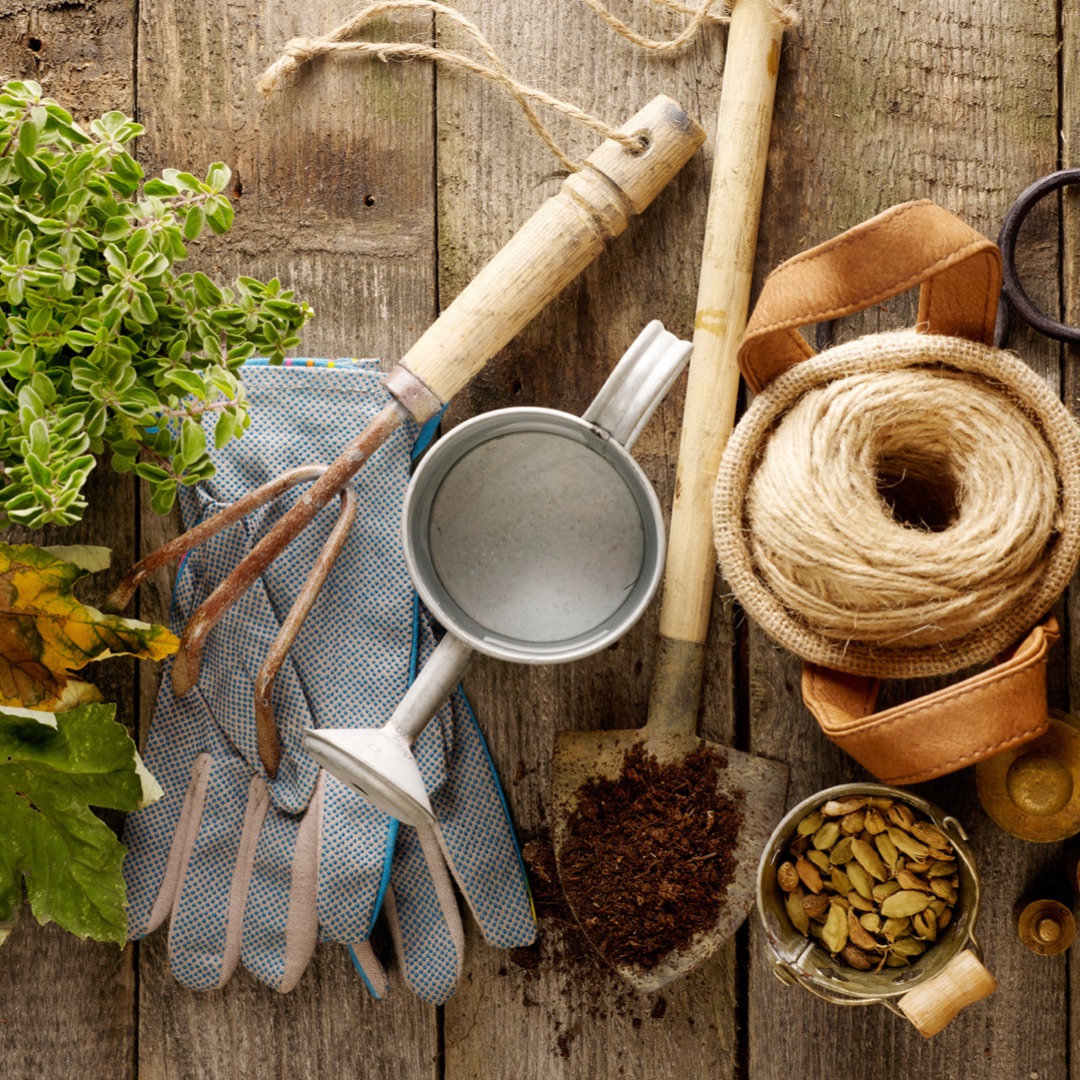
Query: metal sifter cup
[[532, 535]]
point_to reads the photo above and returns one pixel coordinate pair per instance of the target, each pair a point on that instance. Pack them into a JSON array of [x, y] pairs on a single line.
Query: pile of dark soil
[[649, 856]]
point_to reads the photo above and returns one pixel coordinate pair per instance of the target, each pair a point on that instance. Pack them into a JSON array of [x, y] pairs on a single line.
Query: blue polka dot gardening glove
[[252, 869]]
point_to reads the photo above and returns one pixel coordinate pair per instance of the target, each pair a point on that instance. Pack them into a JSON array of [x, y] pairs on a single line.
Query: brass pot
[[934, 987]]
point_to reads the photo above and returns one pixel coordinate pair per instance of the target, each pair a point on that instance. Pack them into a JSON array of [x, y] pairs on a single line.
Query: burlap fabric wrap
[[906, 504], [991, 598]]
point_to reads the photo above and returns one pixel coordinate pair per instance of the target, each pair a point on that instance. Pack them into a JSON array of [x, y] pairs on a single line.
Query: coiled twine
[[902, 505]]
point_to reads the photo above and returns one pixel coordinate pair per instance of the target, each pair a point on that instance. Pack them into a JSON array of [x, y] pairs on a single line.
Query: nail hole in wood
[[369, 200], [33, 44]]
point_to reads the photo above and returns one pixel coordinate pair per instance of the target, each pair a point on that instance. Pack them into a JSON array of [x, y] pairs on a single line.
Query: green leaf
[[224, 429], [28, 136], [162, 497], [190, 382], [192, 442], [51, 773], [194, 222]]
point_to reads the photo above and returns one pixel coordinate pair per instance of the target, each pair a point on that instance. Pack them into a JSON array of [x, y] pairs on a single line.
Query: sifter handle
[[546, 254]]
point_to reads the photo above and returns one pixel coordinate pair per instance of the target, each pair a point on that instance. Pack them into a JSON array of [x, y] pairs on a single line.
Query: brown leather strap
[[915, 243], [940, 732]]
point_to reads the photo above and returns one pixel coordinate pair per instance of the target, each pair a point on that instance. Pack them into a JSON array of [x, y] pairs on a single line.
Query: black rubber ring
[[1012, 288]]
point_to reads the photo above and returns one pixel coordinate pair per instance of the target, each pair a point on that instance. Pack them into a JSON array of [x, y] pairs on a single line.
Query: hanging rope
[[302, 50]]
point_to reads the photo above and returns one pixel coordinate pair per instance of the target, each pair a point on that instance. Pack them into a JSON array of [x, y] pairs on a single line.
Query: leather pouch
[[958, 272]]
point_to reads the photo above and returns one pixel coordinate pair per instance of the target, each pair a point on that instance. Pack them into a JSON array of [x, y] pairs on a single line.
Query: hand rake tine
[[269, 738], [121, 595]]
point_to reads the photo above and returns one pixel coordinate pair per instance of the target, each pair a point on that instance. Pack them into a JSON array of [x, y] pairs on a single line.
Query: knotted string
[[301, 50]]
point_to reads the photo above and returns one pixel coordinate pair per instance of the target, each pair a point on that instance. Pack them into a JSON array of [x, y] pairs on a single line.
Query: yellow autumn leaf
[[46, 632]]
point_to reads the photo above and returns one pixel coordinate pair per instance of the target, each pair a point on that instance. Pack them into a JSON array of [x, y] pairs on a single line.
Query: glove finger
[[281, 926], [477, 837], [424, 918], [177, 738], [356, 849], [235, 650], [211, 878], [370, 969]]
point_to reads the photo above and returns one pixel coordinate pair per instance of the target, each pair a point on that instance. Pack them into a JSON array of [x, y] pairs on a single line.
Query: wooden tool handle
[[932, 1006], [553, 247], [727, 266]]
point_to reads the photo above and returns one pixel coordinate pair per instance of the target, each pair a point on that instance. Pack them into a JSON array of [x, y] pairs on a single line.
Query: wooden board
[[332, 184], [377, 191], [921, 105], [63, 1000], [577, 1019]]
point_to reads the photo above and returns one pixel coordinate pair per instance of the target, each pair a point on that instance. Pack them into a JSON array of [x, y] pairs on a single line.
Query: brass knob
[[1033, 790], [1046, 927], [1038, 784]]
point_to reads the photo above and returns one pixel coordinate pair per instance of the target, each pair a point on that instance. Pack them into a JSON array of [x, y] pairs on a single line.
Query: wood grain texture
[[66, 1005], [332, 186], [955, 102], [570, 1019], [377, 191]]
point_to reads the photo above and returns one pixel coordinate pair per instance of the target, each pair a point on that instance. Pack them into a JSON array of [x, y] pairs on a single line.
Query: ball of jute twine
[[903, 505]]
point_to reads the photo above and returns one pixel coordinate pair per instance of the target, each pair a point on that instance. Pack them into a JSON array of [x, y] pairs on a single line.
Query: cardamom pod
[[827, 835], [787, 877], [871, 921], [860, 879], [930, 835], [840, 807], [856, 958], [841, 852], [793, 904], [858, 901], [905, 902], [808, 874], [886, 888], [940, 887], [941, 869], [887, 849], [874, 822], [810, 824], [852, 824], [835, 931], [896, 928], [909, 947], [924, 925], [839, 881], [908, 880], [907, 843], [857, 933], [870, 861], [820, 859]]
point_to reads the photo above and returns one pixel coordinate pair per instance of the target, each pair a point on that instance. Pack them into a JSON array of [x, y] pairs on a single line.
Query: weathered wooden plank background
[[377, 191]]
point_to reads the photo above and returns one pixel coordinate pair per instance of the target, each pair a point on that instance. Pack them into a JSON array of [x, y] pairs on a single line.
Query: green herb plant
[[102, 344]]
